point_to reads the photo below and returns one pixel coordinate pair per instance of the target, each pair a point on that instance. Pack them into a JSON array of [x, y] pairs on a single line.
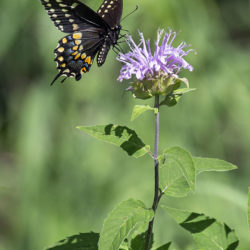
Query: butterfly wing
[[72, 15], [75, 53], [111, 12]]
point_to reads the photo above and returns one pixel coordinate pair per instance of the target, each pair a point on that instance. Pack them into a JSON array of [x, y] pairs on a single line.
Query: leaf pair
[[207, 232], [178, 170], [122, 227]]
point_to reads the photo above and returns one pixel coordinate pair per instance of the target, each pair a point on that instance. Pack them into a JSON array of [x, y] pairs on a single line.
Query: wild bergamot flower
[[154, 72]]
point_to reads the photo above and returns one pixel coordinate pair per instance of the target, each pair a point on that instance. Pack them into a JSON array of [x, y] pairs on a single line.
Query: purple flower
[[166, 61]]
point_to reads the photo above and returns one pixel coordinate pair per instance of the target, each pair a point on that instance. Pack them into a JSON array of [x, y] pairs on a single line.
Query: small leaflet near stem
[[156, 168]]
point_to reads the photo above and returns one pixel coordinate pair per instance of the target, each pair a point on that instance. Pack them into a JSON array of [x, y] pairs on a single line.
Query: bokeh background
[[56, 181]]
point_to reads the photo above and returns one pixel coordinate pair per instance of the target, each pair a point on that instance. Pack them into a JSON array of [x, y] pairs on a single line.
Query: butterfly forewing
[[72, 15], [111, 12]]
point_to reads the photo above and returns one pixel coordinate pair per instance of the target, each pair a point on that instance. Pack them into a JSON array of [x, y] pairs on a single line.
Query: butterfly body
[[90, 33], [109, 40]]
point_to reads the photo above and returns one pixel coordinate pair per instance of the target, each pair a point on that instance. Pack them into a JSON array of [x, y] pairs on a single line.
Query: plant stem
[[156, 168]]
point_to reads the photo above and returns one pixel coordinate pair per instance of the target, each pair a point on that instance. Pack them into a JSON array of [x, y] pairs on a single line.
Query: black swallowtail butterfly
[[89, 33]]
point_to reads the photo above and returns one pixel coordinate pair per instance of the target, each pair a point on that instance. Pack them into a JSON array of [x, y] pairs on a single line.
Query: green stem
[[156, 168]]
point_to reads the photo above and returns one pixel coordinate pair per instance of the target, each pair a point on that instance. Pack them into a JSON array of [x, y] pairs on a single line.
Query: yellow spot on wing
[[75, 48], [83, 56], [60, 58], [61, 49], [75, 26], [77, 42], [88, 60], [77, 35], [74, 53], [64, 40], [83, 69], [63, 65], [77, 56], [62, 5]]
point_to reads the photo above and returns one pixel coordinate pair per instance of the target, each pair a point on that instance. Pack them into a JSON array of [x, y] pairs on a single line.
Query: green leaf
[[177, 172], [139, 242], [126, 218], [183, 80], [207, 232], [210, 164], [173, 98], [164, 247], [248, 208], [140, 109], [82, 241], [120, 136]]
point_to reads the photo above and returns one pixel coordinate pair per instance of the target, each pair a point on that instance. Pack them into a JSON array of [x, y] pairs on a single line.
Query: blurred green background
[[56, 181]]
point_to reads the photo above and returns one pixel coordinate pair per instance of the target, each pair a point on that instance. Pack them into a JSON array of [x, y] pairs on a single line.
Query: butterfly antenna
[[130, 13], [122, 36], [120, 48], [116, 50], [125, 31]]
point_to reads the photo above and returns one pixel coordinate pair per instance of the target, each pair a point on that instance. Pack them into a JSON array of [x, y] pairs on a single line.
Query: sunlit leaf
[[210, 164], [140, 109], [207, 232], [183, 91], [127, 217], [177, 172], [120, 136], [83, 241]]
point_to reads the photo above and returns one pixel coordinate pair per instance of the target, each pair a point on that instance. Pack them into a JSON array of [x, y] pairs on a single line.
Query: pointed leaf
[[139, 242], [164, 247], [177, 172], [207, 232], [174, 96], [183, 91], [140, 109], [248, 208], [183, 80], [120, 136], [211, 164], [127, 217], [82, 241]]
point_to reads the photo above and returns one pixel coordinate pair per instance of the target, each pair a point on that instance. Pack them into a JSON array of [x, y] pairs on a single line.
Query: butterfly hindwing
[[74, 55]]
